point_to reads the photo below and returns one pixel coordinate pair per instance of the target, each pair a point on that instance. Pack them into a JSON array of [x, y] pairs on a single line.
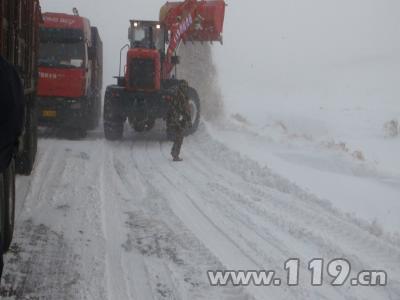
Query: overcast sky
[[269, 45]]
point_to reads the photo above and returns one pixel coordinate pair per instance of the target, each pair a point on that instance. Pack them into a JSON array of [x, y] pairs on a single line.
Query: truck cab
[[70, 69]]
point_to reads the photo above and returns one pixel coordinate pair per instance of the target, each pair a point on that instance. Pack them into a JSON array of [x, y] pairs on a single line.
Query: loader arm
[[191, 20]]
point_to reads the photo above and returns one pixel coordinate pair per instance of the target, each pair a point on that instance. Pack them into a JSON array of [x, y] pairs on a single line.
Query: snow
[[313, 93], [106, 220], [303, 162]]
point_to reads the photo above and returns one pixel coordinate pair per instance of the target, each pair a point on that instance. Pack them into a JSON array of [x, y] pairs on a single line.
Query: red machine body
[[145, 55], [60, 20], [53, 81], [192, 20]]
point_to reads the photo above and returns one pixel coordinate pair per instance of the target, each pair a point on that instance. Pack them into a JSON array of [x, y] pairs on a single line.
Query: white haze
[[288, 54], [281, 52]]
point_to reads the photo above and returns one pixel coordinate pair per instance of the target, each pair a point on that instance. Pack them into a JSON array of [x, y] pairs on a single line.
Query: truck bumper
[[61, 112]]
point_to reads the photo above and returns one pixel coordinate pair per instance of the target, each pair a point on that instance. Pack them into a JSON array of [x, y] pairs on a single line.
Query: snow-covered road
[[102, 220]]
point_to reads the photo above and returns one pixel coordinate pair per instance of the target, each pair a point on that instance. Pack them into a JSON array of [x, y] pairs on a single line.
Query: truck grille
[[141, 75]]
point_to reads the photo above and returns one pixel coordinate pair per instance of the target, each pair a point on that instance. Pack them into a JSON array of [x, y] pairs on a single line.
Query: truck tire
[[94, 114], [194, 103], [26, 159], [113, 121], [7, 206]]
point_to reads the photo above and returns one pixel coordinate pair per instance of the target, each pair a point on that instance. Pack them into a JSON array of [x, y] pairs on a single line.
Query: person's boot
[[177, 158]]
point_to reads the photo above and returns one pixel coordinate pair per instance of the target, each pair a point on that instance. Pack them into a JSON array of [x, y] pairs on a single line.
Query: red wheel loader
[[141, 95]]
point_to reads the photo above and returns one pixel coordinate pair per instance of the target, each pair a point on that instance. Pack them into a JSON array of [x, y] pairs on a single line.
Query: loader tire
[[7, 206], [26, 159], [194, 103], [113, 120], [113, 131]]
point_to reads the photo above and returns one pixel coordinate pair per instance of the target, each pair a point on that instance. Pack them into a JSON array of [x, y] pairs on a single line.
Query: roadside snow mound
[[198, 68], [391, 128]]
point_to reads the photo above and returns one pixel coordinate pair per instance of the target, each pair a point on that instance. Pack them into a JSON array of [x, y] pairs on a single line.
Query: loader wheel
[[194, 103], [113, 131], [7, 206], [113, 121], [25, 160]]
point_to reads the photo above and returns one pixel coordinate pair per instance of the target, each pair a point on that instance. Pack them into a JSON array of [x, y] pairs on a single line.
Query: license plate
[[49, 113]]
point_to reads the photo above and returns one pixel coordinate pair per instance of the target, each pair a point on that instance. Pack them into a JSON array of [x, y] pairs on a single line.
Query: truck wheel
[[25, 160], [7, 206], [194, 103], [94, 114]]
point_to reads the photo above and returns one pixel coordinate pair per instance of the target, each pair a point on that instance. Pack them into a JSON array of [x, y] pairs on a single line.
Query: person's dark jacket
[[178, 116], [11, 111]]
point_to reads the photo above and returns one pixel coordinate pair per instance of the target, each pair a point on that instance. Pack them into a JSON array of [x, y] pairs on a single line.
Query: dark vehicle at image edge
[[19, 23]]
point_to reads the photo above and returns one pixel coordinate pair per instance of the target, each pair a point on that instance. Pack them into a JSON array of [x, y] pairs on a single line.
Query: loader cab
[[147, 35]]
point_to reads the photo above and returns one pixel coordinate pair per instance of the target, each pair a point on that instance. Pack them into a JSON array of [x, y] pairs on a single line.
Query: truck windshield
[[64, 55]]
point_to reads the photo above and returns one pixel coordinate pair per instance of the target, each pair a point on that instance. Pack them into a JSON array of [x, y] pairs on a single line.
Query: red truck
[[70, 73], [19, 25]]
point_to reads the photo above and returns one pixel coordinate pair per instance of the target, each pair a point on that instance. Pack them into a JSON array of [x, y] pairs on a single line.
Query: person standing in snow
[[178, 118], [11, 124]]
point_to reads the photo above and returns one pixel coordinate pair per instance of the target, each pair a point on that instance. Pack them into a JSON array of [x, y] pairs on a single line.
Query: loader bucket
[[207, 24]]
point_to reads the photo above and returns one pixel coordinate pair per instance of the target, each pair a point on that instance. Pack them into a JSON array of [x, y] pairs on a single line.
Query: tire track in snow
[[259, 179], [344, 226], [203, 226], [155, 179], [57, 249], [127, 274], [247, 234], [358, 243]]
